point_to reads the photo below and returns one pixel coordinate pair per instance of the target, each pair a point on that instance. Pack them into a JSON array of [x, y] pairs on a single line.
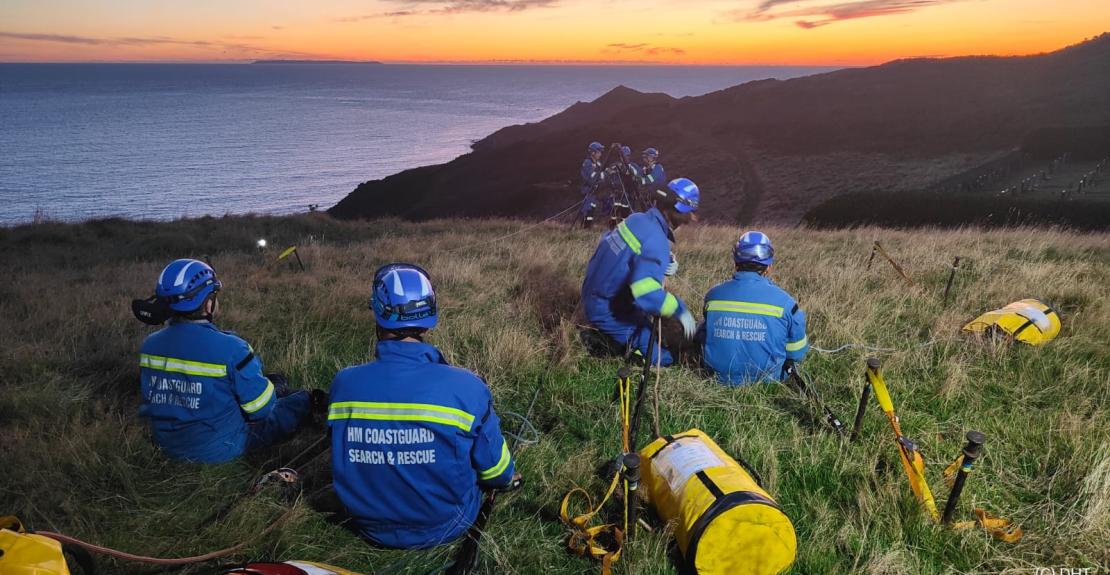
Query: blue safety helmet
[[402, 297], [596, 147], [686, 195], [626, 151], [754, 247], [652, 152], [185, 284]]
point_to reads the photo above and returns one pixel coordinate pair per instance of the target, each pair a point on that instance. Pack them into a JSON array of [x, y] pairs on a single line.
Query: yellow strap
[[914, 465], [288, 252], [878, 384], [583, 540], [912, 462], [1000, 528], [951, 470]]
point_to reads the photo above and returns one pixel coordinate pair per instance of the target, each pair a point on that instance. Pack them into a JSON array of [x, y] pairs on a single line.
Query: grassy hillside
[[77, 459]]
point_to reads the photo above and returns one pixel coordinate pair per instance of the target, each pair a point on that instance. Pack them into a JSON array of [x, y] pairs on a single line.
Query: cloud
[[452, 7], [623, 48], [245, 50], [61, 38], [814, 16]]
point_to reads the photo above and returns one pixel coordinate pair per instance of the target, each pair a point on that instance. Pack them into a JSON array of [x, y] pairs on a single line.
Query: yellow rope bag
[[725, 523]]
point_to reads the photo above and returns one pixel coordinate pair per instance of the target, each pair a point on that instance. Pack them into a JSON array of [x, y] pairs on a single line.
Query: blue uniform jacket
[[412, 440], [649, 180], [200, 387], [625, 273], [592, 175], [751, 327]]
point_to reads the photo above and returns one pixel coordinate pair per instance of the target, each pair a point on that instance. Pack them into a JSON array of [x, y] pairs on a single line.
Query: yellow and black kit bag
[[725, 523], [1029, 321], [23, 553]]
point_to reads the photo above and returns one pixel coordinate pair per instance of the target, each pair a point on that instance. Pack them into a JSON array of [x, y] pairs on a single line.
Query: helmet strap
[[399, 334]]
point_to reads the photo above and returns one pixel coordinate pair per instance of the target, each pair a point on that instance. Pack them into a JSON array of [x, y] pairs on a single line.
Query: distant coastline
[[317, 62]]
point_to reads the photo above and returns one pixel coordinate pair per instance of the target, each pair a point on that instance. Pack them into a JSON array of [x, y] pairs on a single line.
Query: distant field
[[77, 459]]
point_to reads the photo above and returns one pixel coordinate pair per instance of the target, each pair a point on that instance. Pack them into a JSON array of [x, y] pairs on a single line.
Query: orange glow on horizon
[[719, 32]]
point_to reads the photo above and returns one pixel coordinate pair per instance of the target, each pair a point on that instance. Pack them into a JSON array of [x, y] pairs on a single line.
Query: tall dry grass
[[77, 459]]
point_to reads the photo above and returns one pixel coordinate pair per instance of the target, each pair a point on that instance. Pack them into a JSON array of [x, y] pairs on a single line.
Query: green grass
[[77, 459]]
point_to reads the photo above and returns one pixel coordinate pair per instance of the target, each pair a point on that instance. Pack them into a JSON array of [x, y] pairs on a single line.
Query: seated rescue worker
[[592, 174], [623, 288], [752, 327], [202, 388], [414, 440]]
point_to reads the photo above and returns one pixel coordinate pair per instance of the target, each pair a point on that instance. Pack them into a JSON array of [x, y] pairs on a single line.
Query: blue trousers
[[288, 415], [634, 332]]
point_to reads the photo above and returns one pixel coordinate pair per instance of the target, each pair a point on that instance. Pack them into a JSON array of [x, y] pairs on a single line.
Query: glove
[[689, 326], [672, 268]]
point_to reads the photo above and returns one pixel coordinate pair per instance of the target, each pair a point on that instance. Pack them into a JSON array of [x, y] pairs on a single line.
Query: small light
[[262, 243]]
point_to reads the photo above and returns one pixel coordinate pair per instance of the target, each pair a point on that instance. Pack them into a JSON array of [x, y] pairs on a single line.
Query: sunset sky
[[820, 32]]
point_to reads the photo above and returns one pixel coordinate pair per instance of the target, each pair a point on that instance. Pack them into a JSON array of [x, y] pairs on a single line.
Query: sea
[[167, 141]]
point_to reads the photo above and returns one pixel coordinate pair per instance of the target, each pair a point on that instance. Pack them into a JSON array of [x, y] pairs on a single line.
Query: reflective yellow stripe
[[501, 465], [797, 345], [670, 305], [629, 238], [645, 286], [401, 412], [745, 307], [260, 401], [175, 365]]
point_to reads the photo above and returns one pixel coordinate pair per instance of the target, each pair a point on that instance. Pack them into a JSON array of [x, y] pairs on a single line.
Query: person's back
[[414, 440], [642, 235], [752, 326], [202, 389], [404, 431], [191, 390]]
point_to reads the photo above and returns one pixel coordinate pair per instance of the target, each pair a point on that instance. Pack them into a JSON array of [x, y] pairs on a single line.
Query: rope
[[658, 371], [171, 561], [527, 435], [518, 232], [866, 347]]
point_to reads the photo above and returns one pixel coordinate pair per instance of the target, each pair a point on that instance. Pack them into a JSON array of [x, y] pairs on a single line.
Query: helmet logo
[[180, 279]]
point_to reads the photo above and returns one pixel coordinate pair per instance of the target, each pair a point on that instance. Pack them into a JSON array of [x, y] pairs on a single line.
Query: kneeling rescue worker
[[202, 388], [623, 287], [752, 327], [414, 440]]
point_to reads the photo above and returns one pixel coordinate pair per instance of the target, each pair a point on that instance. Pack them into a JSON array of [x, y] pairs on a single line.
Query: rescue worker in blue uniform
[[650, 177], [203, 389], [414, 440], [630, 182], [593, 175], [623, 289], [621, 187], [753, 328]]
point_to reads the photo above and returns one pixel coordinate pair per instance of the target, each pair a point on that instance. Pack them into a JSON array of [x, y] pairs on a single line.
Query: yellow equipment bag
[[23, 553], [1029, 321], [725, 523]]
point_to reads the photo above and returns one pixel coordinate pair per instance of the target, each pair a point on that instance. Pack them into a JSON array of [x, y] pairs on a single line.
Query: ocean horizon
[[166, 141]]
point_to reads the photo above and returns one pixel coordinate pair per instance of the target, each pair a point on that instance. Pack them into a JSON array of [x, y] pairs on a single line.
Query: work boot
[[319, 409]]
